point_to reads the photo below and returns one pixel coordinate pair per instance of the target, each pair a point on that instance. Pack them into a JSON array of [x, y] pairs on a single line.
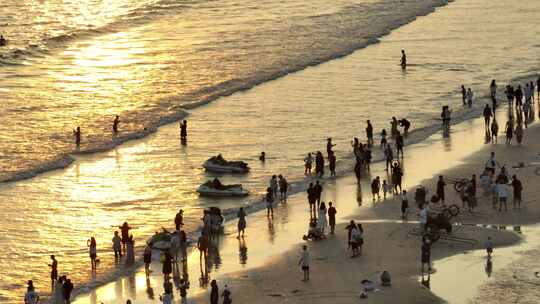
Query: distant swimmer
[[183, 130], [262, 157], [115, 124], [403, 60], [3, 41], [77, 134]]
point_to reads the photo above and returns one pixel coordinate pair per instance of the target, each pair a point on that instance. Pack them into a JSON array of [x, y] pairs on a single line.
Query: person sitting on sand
[[314, 232]]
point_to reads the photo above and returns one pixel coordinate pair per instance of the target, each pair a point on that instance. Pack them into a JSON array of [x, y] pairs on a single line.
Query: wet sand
[[264, 264]]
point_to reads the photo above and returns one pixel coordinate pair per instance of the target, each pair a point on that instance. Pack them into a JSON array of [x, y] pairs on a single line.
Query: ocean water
[[151, 61]]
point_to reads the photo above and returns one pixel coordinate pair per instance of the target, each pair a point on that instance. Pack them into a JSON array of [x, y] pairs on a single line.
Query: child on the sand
[[386, 188], [489, 246]]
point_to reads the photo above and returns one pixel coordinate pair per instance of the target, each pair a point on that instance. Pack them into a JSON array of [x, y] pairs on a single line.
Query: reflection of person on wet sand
[[489, 267], [426, 282], [202, 245], [149, 289], [242, 251]]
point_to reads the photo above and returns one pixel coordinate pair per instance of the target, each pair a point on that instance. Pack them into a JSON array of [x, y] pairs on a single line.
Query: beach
[[59, 197]]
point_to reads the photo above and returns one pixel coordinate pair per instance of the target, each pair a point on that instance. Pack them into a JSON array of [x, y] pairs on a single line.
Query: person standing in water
[[283, 187], [369, 133], [332, 164], [487, 115], [117, 245], [91, 243], [308, 161], [54, 270], [77, 134], [493, 93], [470, 96], [463, 95], [116, 122], [403, 61], [124, 229], [183, 130], [179, 219], [329, 146]]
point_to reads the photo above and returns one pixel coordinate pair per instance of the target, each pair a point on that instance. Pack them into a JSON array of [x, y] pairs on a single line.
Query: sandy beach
[[264, 267]]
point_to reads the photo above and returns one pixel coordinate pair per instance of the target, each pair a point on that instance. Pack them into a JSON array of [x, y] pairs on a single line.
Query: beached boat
[[216, 189], [220, 165]]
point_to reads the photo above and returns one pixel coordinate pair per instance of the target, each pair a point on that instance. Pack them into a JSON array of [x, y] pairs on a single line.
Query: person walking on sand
[[117, 245], [518, 188], [269, 198], [369, 133], [509, 132], [241, 222], [183, 130], [54, 270], [403, 61], [389, 156], [489, 247], [494, 130], [502, 194], [426, 255], [375, 188], [519, 133], [77, 134], [385, 188], [92, 250], [318, 189], [226, 295], [322, 222], [404, 204], [67, 289], [304, 263], [356, 240], [487, 115], [283, 187], [440, 188], [399, 144], [116, 122], [308, 161], [214, 293], [312, 199], [332, 217], [358, 171]]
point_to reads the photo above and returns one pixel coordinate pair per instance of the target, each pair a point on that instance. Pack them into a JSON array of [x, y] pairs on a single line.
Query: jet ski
[[217, 189], [219, 165]]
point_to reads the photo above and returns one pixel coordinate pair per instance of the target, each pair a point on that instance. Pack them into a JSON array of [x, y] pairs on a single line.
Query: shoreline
[[203, 98], [336, 196]]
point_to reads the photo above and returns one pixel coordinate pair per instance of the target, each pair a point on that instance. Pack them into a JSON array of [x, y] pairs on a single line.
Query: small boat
[[162, 240], [219, 165], [216, 189]]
